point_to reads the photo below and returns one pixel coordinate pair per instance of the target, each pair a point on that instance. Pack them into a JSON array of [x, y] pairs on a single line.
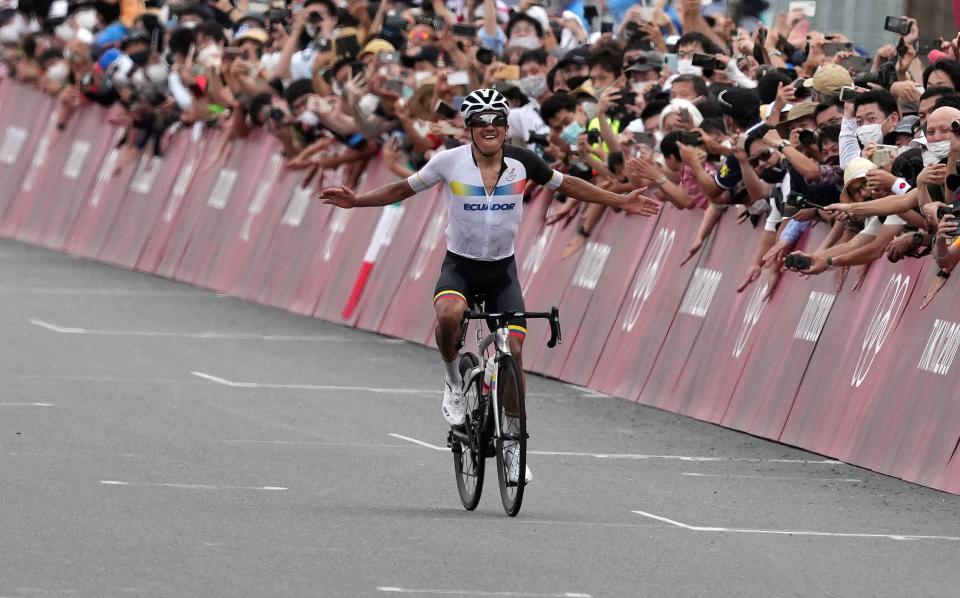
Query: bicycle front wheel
[[468, 463], [511, 444]]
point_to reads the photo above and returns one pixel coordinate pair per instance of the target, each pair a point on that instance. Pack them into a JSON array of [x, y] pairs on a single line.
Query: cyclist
[[484, 184]]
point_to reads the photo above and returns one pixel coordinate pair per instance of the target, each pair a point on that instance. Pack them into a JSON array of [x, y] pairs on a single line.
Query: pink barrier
[[150, 203], [864, 376]]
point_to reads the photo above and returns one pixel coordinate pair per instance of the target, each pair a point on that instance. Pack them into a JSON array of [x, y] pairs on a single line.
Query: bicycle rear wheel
[[511, 445], [467, 462]]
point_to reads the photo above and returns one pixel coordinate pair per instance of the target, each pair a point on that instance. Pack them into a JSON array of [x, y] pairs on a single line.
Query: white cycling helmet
[[484, 100]]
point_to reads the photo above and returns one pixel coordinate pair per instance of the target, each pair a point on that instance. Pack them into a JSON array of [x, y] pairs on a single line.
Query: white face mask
[[86, 19], [65, 32], [10, 33], [527, 42], [210, 53], [685, 67], [533, 87], [940, 149], [58, 72], [591, 109], [156, 72], [869, 134], [309, 119]]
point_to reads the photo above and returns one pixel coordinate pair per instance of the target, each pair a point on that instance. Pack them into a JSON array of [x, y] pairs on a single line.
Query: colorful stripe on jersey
[[444, 294], [465, 190], [518, 331]]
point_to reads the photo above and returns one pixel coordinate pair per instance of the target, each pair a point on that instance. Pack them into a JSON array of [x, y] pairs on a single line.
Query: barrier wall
[[861, 375]]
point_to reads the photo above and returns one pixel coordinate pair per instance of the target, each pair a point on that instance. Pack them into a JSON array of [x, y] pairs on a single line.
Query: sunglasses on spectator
[[761, 157], [420, 35], [482, 120]]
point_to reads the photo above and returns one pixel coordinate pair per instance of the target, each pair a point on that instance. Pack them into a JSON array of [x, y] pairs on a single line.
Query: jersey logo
[[483, 207], [511, 174], [465, 190]]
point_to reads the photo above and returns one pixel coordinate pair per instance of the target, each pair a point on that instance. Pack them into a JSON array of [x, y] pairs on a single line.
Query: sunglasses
[[419, 36], [763, 156], [482, 120]]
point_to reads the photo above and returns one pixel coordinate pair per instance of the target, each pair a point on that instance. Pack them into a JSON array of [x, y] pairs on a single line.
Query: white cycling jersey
[[483, 226]]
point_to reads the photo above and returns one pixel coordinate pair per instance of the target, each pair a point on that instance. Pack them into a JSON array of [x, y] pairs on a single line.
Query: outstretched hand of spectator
[[818, 263], [637, 203], [753, 273], [935, 285]]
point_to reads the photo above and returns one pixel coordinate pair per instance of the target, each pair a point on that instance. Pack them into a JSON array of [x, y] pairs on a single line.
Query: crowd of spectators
[[786, 125]]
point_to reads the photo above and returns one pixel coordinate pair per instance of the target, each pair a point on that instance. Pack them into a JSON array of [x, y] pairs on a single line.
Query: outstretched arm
[[343, 197], [634, 202]]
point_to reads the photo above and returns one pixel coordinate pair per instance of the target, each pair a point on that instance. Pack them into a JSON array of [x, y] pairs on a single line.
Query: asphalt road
[[161, 440]]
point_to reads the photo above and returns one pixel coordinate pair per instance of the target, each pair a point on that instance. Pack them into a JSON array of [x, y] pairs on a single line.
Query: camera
[[275, 114], [315, 18], [955, 127], [898, 25], [946, 210], [593, 137], [538, 139], [800, 92], [464, 30], [807, 137], [485, 56], [848, 94], [691, 138], [445, 110]]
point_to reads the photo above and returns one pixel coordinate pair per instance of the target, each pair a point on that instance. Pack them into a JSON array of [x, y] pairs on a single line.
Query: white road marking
[[26, 404], [587, 392], [394, 590], [225, 382], [311, 443], [192, 486], [733, 530], [420, 442], [199, 335], [765, 477]]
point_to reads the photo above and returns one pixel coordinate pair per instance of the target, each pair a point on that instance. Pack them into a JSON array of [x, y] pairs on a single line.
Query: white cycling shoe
[[513, 468], [452, 407]]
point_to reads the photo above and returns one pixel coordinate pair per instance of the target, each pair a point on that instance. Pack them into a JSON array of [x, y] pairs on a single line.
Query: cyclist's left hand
[[342, 197], [636, 202]]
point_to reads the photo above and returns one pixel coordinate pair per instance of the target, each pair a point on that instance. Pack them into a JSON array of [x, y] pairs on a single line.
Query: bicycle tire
[[468, 465], [513, 434]]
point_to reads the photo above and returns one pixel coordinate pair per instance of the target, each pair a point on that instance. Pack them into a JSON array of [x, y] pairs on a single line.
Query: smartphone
[[691, 138], [324, 45], [833, 48], [857, 64], [644, 138], [464, 30], [593, 137], [388, 57], [809, 7], [395, 23], [884, 155], [445, 110], [458, 78], [394, 86], [508, 72], [485, 56], [707, 61], [800, 92], [925, 45], [671, 61], [898, 25], [234, 53], [348, 46], [279, 15], [606, 26], [848, 93], [797, 262]]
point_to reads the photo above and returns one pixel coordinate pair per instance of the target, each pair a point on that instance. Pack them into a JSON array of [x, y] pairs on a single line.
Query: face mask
[[774, 174], [10, 33], [533, 87], [58, 72], [209, 53], [190, 25], [309, 120], [591, 109], [140, 58], [65, 32], [658, 135], [940, 149], [685, 67], [530, 42], [639, 87], [571, 132], [157, 73], [869, 134], [86, 19]]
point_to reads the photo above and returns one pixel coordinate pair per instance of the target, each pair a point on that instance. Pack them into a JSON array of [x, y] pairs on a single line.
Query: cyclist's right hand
[[342, 197]]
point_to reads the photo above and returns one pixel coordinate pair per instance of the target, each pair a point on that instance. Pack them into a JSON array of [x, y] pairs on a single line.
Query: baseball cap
[[801, 110], [738, 102], [856, 169], [578, 56], [907, 126], [375, 46], [646, 61], [253, 34], [829, 78]]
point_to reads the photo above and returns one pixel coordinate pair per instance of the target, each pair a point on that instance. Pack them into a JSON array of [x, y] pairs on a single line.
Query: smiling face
[[489, 133]]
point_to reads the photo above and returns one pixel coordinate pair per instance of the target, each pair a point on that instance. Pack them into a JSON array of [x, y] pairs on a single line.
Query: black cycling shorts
[[496, 281]]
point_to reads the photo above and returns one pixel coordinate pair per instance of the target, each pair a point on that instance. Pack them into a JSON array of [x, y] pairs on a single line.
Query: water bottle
[[488, 375]]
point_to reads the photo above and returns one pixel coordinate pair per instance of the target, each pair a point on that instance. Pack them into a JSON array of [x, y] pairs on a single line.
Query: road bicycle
[[496, 418]]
